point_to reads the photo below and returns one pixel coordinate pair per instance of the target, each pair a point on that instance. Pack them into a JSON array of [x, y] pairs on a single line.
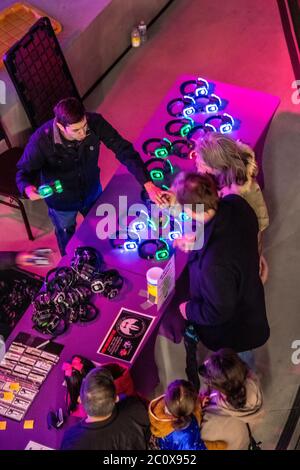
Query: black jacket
[[127, 429], [49, 157], [227, 296]]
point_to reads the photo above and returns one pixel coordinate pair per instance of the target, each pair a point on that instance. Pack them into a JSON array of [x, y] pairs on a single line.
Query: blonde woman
[[233, 166]]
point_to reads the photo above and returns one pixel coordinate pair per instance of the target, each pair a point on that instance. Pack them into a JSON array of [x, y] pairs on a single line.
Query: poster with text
[[126, 335]]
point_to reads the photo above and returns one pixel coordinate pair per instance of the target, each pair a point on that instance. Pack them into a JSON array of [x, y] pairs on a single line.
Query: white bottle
[[142, 27]]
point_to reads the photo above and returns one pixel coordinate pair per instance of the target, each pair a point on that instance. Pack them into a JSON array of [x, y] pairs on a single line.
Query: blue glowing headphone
[[200, 85], [226, 123], [128, 244], [190, 105]]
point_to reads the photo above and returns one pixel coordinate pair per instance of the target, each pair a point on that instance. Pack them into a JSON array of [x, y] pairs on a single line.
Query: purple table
[[83, 339], [255, 111]]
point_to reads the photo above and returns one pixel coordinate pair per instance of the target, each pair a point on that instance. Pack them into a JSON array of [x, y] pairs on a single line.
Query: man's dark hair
[[98, 393], [69, 111], [193, 189]]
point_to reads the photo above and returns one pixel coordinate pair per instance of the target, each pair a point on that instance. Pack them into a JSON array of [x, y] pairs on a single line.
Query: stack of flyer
[[23, 369]]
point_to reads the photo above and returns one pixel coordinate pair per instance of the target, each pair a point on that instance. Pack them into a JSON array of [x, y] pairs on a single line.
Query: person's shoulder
[[131, 402], [72, 435], [94, 118], [237, 203], [44, 132], [133, 408]]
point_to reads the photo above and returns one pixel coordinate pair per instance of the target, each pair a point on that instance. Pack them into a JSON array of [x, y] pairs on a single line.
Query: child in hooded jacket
[[175, 420]]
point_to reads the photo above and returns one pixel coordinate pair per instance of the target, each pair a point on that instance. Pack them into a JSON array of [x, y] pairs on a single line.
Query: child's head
[[98, 393], [180, 399], [223, 157], [225, 371], [75, 371]]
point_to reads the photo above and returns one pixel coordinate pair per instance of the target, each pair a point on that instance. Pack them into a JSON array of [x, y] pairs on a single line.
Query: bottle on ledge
[[142, 27], [135, 38]]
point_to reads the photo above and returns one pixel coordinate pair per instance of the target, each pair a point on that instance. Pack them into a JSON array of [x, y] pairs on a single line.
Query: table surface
[[254, 110]]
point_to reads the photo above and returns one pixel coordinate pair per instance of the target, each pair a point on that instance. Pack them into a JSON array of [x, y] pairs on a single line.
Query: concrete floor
[[239, 42]]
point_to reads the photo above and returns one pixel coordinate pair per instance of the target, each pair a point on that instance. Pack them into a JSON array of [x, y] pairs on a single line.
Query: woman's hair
[[181, 398], [226, 372], [74, 376], [193, 189], [227, 158]]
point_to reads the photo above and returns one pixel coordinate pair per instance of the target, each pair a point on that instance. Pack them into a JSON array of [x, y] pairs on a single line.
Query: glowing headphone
[[226, 124], [161, 250], [180, 127], [201, 87], [191, 105], [161, 170], [128, 244]]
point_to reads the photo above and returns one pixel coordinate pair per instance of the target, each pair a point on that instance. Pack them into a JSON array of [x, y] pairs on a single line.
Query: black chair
[[8, 187]]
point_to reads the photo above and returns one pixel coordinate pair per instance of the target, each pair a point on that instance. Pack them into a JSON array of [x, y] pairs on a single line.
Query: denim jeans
[[65, 223], [248, 357]]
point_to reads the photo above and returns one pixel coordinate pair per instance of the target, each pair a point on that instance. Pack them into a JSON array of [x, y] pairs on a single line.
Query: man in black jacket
[[67, 149], [227, 306], [110, 424]]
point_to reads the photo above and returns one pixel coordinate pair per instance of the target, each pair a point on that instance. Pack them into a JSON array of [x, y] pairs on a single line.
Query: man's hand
[[182, 309], [263, 269], [185, 243], [155, 194], [169, 198], [32, 193]]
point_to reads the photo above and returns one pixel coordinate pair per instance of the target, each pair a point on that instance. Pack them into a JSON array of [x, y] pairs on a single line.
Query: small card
[[28, 424], [32, 445], [3, 425]]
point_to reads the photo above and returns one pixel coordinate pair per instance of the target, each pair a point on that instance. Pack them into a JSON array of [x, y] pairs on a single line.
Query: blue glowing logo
[[139, 226], [189, 111], [174, 235], [211, 108], [130, 246]]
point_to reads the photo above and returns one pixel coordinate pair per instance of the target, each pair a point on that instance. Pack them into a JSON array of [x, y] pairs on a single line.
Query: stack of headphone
[[15, 297], [198, 97], [67, 291]]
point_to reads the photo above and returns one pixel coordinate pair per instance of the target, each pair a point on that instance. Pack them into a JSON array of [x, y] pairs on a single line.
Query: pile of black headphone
[[67, 291], [15, 296]]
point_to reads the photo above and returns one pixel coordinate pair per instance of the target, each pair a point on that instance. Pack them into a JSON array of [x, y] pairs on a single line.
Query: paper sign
[[166, 283], [126, 335]]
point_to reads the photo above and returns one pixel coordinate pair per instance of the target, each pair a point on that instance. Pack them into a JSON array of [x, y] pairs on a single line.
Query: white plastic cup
[[153, 275]]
